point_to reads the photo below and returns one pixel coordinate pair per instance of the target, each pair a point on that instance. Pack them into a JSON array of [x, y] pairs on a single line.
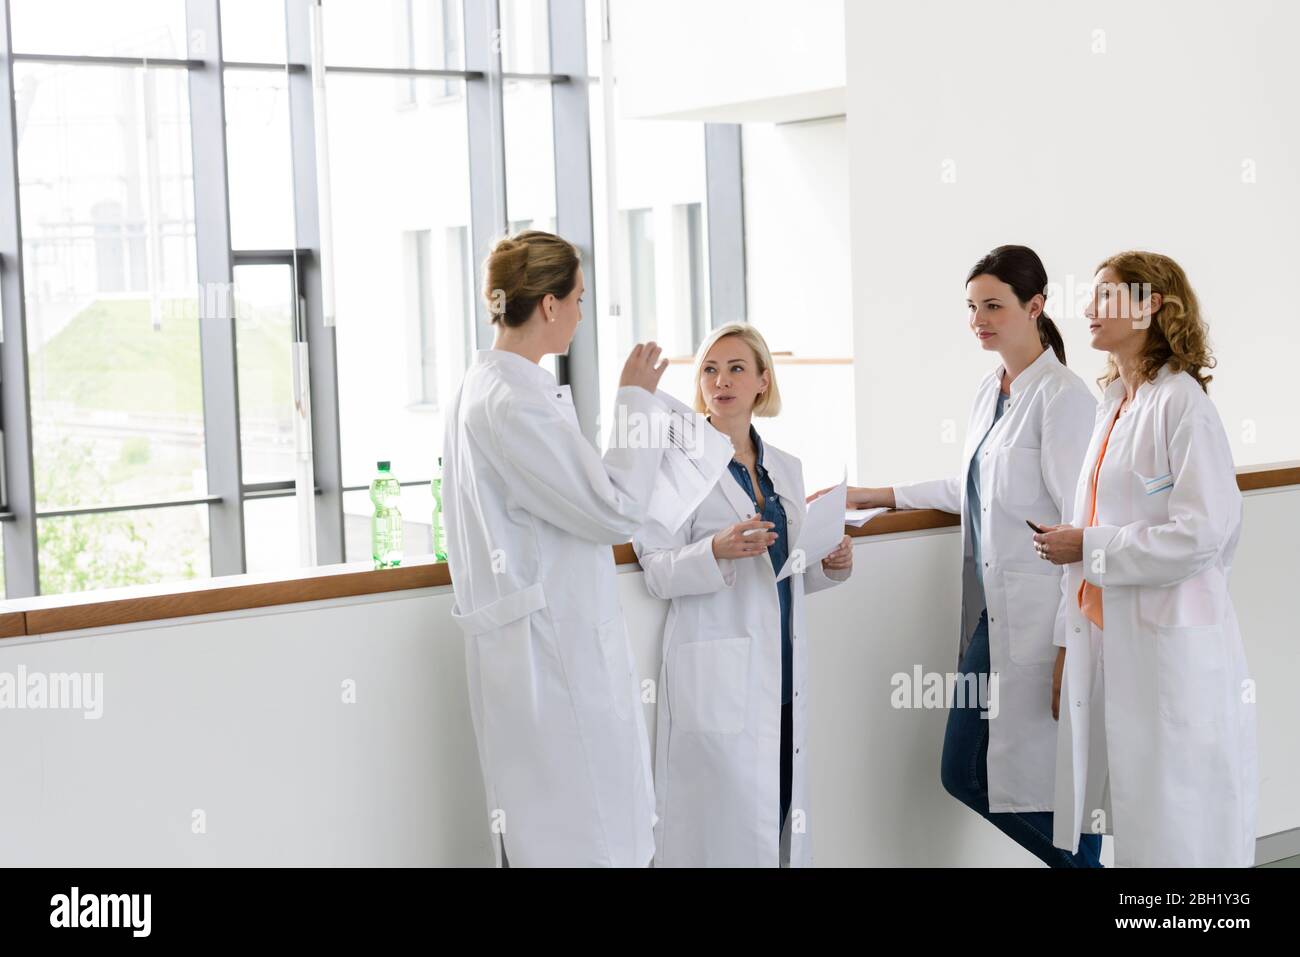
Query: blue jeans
[[965, 773]]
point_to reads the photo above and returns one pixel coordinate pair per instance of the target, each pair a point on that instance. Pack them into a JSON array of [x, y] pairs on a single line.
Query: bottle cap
[[384, 465]]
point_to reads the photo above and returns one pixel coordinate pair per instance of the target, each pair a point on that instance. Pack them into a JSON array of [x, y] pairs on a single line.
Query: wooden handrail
[[120, 606]]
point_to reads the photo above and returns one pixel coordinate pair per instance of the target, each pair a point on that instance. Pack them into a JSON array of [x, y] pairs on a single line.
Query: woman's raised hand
[[643, 367]]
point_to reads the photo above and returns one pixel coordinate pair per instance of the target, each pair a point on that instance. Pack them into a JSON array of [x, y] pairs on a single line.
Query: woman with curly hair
[[1157, 719]]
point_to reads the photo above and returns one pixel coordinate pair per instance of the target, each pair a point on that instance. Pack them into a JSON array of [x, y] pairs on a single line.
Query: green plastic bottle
[[439, 530], [386, 522]]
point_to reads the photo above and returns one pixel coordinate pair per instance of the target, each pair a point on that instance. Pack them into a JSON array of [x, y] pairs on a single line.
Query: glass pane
[[271, 534], [401, 217], [595, 39], [699, 277], [112, 320], [263, 345], [525, 36], [253, 30], [421, 34], [417, 521], [659, 227], [639, 226], [260, 161], [530, 161], [111, 549], [99, 27], [530, 155]]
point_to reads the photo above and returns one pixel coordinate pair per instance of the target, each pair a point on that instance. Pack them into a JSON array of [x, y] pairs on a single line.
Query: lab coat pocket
[[507, 684], [1019, 478], [501, 632], [1190, 663], [709, 689], [1032, 603]]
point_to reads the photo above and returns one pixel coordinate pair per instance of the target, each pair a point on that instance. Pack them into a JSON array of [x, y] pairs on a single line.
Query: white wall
[[240, 715], [730, 60], [1079, 130]]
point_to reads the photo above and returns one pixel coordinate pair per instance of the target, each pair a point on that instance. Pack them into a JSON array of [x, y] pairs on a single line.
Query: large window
[[112, 328], [178, 303]]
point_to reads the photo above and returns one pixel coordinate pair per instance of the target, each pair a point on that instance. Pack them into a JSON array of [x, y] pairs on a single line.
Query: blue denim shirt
[[773, 511]]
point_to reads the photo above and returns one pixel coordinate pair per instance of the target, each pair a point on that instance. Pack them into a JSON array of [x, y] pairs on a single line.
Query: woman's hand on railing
[[858, 497]]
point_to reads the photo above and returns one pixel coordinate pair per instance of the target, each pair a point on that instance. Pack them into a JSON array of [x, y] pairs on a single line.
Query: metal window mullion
[[22, 578], [327, 458], [90, 59], [484, 113], [128, 507], [726, 222], [216, 290], [571, 121]]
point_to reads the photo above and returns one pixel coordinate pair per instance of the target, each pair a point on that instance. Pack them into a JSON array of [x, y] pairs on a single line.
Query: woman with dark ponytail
[[1028, 434]]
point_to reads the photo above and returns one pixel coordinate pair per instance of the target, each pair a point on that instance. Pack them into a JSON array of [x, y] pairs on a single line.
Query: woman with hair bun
[[531, 511], [1157, 704]]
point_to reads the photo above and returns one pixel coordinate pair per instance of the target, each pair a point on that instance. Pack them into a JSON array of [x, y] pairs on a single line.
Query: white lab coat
[[717, 746], [1027, 470], [1162, 708], [531, 512]]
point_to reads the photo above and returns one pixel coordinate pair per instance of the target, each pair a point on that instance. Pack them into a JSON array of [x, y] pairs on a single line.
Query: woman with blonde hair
[[532, 510], [731, 752], [1156, 698]]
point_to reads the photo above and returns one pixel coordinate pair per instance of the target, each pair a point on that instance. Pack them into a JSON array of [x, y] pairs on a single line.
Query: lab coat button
[[1076, 629]]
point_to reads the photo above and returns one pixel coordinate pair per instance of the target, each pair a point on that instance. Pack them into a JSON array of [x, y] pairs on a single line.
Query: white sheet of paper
[[823, 528], [695, 459], [857, 517]]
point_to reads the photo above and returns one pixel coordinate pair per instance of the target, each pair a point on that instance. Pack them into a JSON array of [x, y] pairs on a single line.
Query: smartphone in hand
[[1038, 528]]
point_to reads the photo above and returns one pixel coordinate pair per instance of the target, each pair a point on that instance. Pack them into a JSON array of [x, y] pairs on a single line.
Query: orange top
[[1090, 594]]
